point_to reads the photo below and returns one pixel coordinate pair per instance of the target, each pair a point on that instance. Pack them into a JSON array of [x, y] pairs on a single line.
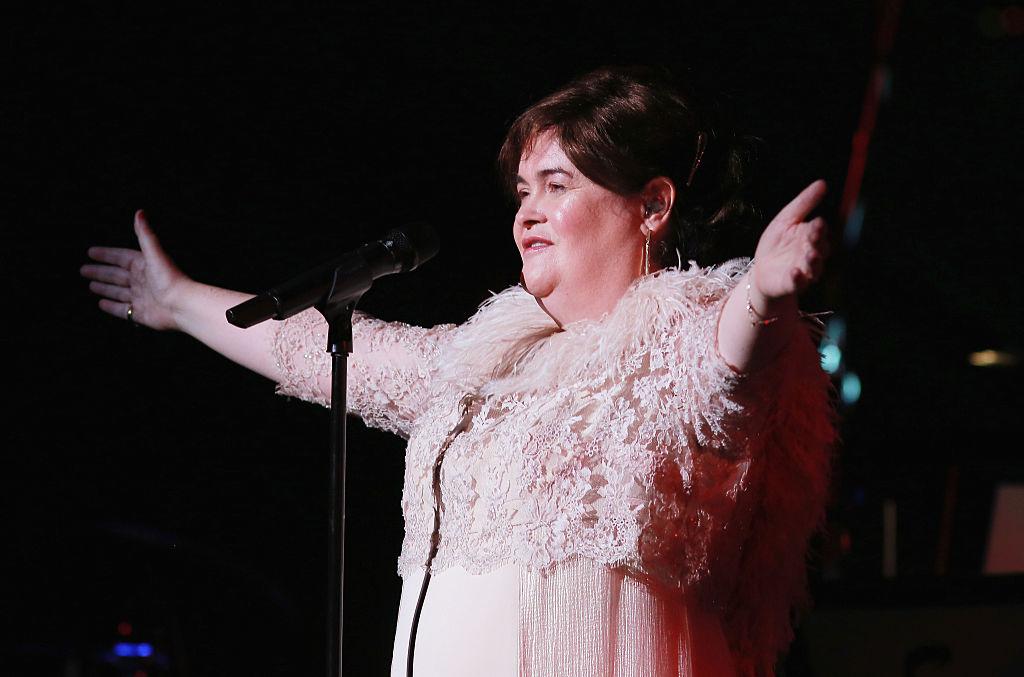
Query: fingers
[[115, 308], [117, 256], [147, 240], [803, 203], [111, 291], [817, 236], [112, 277], [109, 274], [815, 250]]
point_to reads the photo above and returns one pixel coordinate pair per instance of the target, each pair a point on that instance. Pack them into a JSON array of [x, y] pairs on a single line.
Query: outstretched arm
[[162, 297], [388, 374], [789, 257]]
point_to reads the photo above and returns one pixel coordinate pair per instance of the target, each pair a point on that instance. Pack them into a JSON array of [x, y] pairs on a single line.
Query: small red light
[[140, 673], [846, 542], [124, 628]]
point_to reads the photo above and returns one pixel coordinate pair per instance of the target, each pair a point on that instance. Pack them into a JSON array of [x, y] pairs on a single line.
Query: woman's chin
[[540, 286]]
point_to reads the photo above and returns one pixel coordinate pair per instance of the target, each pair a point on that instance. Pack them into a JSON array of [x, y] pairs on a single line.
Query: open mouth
[[535, 244]]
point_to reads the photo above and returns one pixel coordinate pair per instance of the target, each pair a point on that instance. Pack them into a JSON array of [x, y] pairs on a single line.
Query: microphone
[[342, 279]]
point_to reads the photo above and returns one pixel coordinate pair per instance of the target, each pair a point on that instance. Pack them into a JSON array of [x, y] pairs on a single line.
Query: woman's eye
[[556, 187], [522, 195]]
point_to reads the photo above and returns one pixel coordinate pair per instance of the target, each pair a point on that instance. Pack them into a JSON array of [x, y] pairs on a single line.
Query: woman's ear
[[659, 196]]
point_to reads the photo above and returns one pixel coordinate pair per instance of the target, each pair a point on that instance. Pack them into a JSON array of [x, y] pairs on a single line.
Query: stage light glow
[[992, 358], [854, 224], [126, 649], [850, 388], [124, 628], [835, 330], [831, 357]]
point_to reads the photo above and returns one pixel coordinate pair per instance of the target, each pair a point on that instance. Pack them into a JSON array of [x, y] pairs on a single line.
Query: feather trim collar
[[511, 345]]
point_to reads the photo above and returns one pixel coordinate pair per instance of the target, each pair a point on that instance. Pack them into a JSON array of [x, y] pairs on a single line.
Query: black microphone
[[343, 278]]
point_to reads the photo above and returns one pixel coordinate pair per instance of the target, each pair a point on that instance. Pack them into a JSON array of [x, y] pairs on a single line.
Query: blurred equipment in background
[[1005, 554]]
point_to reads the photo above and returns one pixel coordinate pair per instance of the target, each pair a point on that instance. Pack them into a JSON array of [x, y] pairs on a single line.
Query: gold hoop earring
[[647, 254]]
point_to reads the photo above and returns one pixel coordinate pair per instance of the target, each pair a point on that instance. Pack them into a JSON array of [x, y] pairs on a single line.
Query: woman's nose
[[529, 213]]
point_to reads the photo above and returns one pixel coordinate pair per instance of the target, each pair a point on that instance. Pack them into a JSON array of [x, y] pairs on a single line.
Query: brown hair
[[622, 127]]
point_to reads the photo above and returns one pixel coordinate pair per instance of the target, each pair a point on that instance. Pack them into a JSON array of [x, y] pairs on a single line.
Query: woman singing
[[614, 467]]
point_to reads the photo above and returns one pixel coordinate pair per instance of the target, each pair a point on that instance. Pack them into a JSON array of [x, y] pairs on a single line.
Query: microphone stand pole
[[348, 284], [351, 277], [339, 345]]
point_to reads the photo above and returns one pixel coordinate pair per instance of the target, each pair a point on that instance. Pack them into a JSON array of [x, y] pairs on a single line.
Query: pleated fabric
[[585, 619]]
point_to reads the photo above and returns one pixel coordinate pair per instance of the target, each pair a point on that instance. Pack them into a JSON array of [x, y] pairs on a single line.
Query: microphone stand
[[352, 275], [339, 345], [337, 307]]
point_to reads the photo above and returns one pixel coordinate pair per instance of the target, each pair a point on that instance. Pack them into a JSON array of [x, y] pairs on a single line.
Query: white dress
[[613, 499], [469, 625]]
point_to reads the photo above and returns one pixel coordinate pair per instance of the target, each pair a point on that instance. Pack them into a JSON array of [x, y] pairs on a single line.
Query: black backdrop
[[150, 480]]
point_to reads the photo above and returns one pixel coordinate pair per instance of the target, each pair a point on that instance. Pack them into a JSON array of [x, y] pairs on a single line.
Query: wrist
[[772, 305], [180, 301], [764, 309]]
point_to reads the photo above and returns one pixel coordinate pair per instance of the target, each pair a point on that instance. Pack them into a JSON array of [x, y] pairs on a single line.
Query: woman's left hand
[[791, 252]]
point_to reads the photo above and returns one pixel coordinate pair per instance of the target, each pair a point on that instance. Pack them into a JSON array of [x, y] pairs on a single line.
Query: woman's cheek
[[567, 221]]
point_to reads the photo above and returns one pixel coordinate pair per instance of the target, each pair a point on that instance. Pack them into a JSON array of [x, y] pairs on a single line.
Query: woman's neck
[[588, 303]]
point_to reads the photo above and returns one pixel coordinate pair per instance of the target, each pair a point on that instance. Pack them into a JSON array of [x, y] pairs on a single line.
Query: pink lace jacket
[[621, 463]]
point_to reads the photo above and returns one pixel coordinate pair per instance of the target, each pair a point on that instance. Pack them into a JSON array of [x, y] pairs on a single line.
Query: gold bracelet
[[756, 318]]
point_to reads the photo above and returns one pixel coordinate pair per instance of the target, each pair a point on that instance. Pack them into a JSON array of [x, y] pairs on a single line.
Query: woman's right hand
[[145, 281]]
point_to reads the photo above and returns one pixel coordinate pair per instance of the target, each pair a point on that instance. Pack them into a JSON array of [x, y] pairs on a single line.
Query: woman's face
[[581, 244]]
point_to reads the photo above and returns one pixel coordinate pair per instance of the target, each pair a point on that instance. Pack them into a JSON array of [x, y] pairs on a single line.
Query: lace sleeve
[[699, 480], [389, 370], [706, 387]]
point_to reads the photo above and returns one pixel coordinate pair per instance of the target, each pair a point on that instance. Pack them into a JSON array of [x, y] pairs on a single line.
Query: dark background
[[148, 480]]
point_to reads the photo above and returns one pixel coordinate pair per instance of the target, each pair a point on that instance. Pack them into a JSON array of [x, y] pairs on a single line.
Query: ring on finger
[[129, 314]]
